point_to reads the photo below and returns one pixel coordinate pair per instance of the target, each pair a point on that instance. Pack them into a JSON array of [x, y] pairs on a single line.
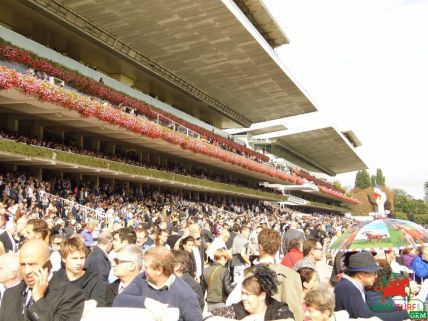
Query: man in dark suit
[[98, 261], [7, 239], [126, 266], [40, 297], [360, 272]]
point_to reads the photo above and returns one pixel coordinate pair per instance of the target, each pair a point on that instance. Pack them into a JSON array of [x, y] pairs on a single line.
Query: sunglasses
[[118, 261]]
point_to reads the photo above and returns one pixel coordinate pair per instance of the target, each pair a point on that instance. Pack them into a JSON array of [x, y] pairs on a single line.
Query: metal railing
[[82, 209]]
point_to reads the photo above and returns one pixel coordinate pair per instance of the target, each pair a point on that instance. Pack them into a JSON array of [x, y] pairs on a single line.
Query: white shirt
[[198, 260]]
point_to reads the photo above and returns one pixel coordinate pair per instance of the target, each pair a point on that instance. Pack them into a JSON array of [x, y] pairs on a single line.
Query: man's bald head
[[38, 247], [32, 257]]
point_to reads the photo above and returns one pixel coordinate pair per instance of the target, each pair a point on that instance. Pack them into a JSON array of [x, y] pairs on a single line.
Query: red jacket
[[293, 256]]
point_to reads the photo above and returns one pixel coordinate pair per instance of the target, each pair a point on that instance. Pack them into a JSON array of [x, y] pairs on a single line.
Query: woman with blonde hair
[[218, 281]]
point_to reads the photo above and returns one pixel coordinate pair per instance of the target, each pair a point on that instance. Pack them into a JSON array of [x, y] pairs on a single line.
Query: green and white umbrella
[[382, 234]]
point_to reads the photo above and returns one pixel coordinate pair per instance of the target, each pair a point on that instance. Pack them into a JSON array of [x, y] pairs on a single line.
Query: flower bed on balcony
[[339, 195], [325, 187], [98, 163], [87, 107], [94, 88]]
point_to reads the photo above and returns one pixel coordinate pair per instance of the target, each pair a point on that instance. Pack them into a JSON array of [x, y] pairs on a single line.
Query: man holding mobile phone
[[40, 296]]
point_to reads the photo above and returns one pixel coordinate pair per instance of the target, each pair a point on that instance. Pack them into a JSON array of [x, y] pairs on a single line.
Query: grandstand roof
[[209, 49], [319, 149]]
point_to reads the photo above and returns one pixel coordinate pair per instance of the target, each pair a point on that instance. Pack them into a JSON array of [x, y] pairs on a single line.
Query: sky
[[364, 64]]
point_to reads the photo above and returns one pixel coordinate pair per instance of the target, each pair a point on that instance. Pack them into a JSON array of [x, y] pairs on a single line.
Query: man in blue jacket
[[420, 264], [159, 283], [360, 272]]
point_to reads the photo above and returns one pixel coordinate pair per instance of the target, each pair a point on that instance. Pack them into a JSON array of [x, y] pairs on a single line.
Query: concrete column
[[80, 141], [140, 155], [39, 173], [62, 134], [37, 129], [112, 185], [96, 144], [12, 123], [111, 148], [97, 181]]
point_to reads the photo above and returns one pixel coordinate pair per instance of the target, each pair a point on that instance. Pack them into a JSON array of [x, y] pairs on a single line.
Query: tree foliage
[[380, 179], [416, 210], [362, 180], [426, 191], [373, 180]]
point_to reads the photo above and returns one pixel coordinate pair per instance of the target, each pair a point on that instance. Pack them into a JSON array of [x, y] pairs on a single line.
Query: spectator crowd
[[155, 250]]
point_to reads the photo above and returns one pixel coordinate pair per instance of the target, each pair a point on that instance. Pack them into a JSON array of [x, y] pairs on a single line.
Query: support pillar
[[12, 123], [111, 148], [37, 129], [96, 144], [80, 141], [39, 173]]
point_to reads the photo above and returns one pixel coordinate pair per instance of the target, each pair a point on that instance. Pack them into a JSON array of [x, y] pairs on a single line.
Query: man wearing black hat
[[360, 272]]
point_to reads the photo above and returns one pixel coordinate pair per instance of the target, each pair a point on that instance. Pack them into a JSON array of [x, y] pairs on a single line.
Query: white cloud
[[364, 62]]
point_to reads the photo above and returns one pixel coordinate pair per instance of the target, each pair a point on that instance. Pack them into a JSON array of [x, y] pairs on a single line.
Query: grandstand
[[139, 94]]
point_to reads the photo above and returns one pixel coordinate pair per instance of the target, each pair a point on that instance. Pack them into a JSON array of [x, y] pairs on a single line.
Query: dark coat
[[91, 285], [349, 298], [196, 287], [112, 290], [62, 302], [98, 262], [274, 311], [220, 281], [7, 243]]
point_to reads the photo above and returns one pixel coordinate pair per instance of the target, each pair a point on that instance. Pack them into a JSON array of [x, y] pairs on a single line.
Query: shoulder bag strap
[[211, 277]]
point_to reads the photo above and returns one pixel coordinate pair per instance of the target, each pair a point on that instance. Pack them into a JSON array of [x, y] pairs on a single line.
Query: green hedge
[[46, 153], [329, 207], [401, 216]]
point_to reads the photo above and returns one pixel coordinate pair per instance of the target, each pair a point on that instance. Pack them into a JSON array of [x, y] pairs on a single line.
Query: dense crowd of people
[[152, 249], [130, 158]]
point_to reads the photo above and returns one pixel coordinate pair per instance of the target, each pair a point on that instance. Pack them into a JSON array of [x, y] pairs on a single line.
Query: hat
[[361, 262]]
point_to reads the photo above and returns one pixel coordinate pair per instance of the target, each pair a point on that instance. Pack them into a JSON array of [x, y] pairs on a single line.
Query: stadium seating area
[[135, 115]]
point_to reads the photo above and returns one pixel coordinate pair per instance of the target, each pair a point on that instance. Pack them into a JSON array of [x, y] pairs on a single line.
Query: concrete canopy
[[209, 44], [322, 149]]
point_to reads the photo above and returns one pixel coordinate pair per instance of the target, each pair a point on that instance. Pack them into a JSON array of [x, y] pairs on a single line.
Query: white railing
[[84, 210]]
